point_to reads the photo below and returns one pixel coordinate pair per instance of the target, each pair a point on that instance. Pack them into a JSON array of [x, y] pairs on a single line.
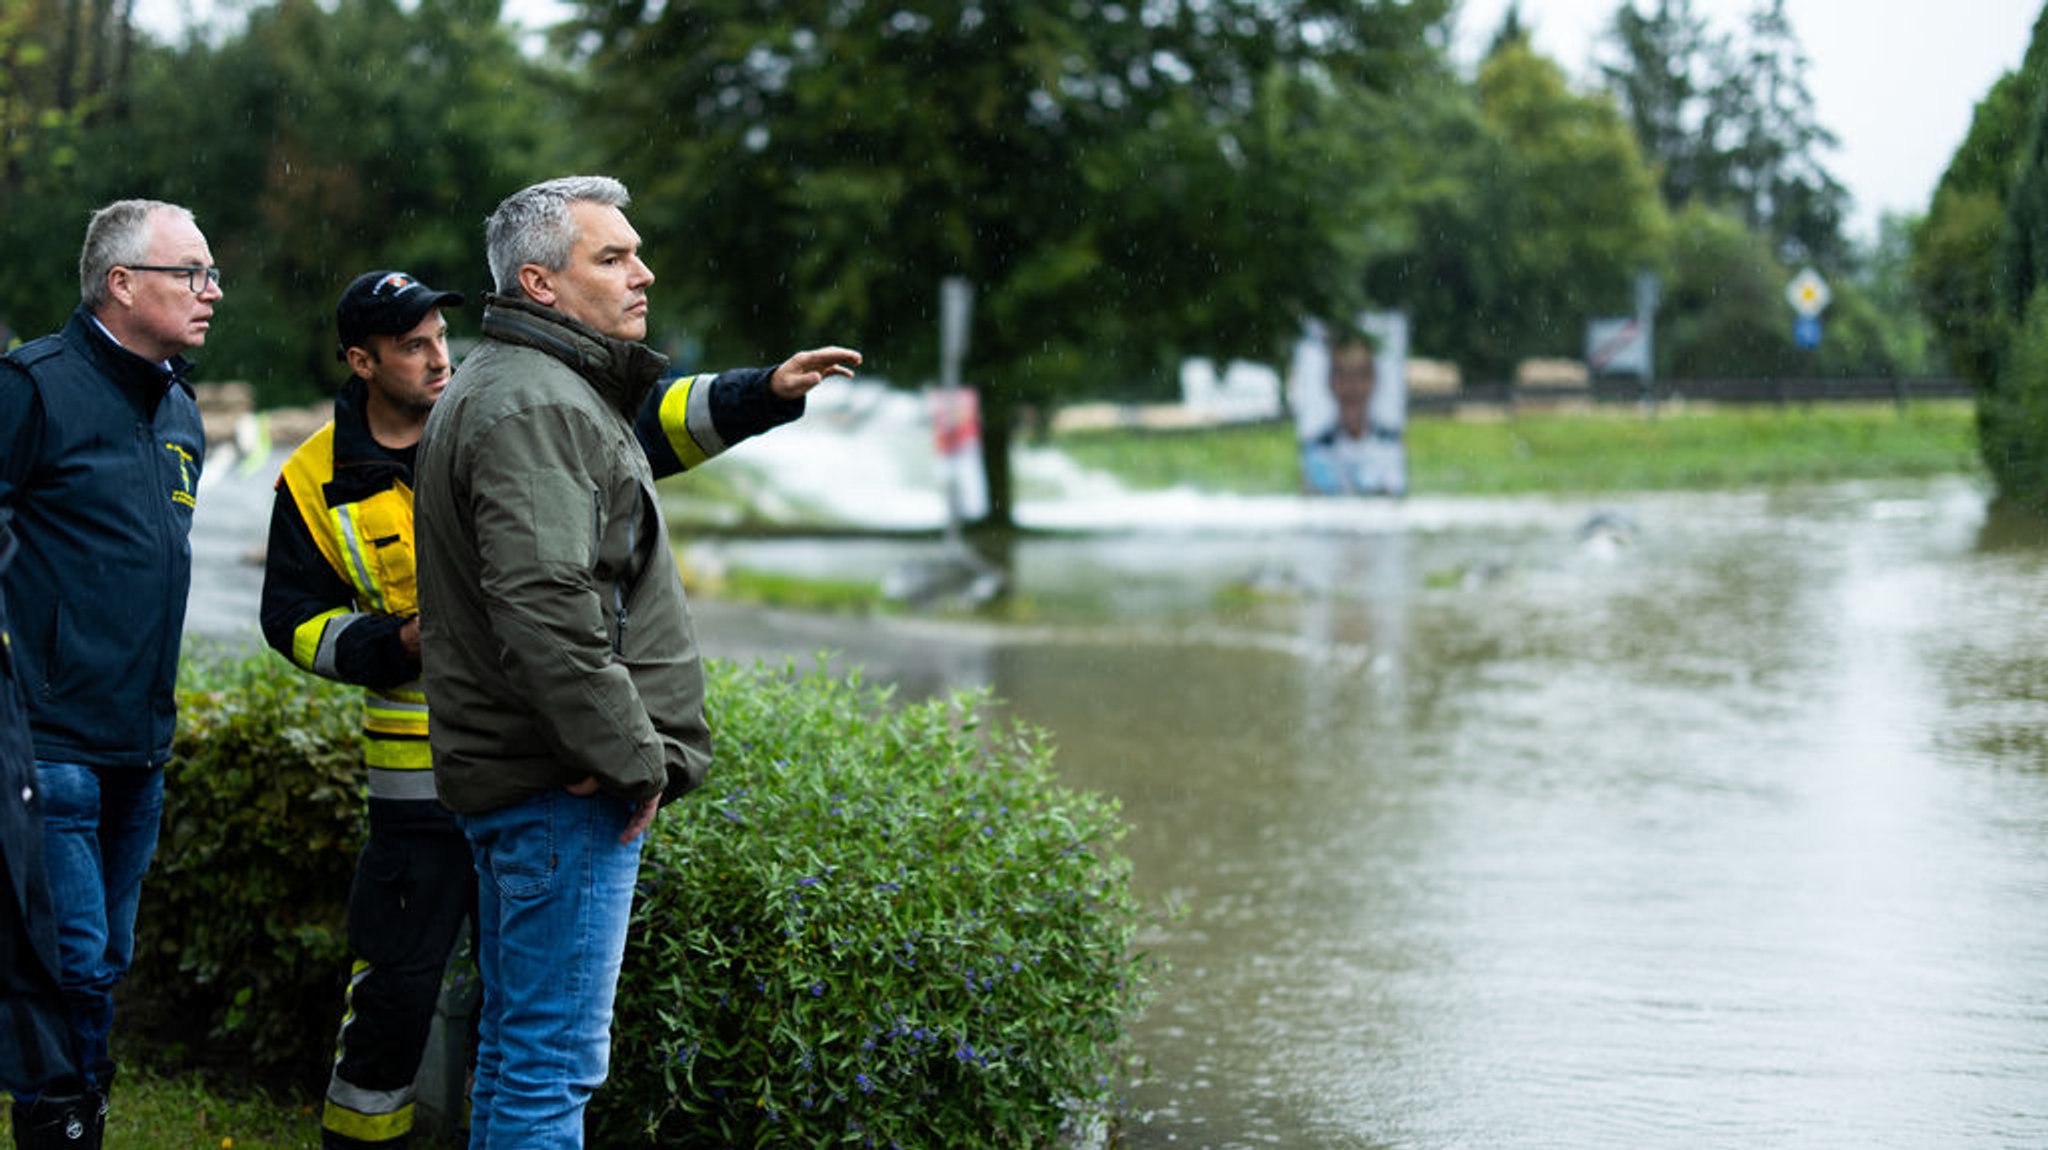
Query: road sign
[[1806, 332], [1618, 345], [1808, 293]]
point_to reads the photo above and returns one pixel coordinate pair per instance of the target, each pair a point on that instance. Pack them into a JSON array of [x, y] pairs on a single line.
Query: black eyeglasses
[[191, 272]]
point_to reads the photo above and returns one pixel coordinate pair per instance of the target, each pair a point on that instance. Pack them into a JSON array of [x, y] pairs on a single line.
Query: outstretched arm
[[694, 418]]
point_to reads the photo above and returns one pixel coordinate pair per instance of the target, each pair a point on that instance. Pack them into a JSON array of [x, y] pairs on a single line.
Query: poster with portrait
[[1348, 388], [956, 434]]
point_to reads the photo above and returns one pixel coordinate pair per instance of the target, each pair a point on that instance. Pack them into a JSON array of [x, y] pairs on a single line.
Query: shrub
[[874, 926], [243, 949]]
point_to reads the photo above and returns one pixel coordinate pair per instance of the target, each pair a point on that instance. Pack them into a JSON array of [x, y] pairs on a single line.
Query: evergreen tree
[[1776, 179], [1731, 123], [1668, 81], [2013, 410], [1956, 248], [1512, 30]]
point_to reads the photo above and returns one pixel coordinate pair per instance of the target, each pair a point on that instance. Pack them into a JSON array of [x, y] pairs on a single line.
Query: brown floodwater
[[1671, 821]]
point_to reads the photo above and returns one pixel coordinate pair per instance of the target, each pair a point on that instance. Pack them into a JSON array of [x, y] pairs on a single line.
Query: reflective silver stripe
[[403, 707], [330, 638], [359, 564], [390, 784], [698, 421], [363, 1101]]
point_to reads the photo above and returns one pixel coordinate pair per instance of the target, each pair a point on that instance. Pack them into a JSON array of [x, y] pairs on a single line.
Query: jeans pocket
[[520, 857]]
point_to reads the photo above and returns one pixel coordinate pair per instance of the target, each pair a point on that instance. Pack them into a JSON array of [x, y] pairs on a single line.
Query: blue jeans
[[99, 833], [554, 891]]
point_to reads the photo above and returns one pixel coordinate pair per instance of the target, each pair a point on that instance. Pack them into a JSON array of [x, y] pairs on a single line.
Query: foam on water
[[864, 456]]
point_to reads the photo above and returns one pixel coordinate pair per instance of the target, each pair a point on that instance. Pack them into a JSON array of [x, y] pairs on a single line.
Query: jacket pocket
[[385, 523]]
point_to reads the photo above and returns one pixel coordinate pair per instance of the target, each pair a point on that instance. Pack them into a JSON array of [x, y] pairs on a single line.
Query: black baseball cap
[[385, 303]]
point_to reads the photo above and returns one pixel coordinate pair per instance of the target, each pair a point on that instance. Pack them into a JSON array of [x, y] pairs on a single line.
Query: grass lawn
[[1621, 449], [151, 1112]]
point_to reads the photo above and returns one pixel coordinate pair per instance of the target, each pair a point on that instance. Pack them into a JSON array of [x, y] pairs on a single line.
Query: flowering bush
[[874, 926]]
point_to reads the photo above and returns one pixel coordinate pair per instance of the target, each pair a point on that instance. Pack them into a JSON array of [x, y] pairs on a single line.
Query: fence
[[1779, 391]]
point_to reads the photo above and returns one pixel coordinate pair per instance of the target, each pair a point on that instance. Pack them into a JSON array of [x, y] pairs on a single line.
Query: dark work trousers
[[415, 884]]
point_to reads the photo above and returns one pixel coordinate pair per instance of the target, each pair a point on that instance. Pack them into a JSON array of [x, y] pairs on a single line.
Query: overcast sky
[[1894, 80]]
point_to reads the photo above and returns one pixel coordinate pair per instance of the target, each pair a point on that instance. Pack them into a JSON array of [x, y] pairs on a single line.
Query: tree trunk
[[124, 47], [100, 41], [67, 59], [998, 428]]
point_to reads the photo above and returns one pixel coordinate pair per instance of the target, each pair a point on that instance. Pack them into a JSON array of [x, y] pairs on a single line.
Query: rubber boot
[[60, 1122]]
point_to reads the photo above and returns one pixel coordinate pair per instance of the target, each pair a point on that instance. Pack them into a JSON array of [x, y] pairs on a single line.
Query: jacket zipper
[[619, 591]]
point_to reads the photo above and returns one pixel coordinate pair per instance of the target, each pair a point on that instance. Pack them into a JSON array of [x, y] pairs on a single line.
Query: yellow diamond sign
[[1807, 293]]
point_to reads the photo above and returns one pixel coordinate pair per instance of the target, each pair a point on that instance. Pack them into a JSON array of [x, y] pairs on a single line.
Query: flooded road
[[1723, 823], [1682, 821]]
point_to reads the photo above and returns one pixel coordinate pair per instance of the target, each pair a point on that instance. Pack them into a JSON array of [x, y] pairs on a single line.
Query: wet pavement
[[228, 530]]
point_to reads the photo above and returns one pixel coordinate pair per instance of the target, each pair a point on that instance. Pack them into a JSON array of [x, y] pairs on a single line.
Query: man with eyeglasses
[[100, 452]]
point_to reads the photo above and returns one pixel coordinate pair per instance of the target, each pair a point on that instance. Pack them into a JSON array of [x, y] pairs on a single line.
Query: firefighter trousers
[[414, 888]]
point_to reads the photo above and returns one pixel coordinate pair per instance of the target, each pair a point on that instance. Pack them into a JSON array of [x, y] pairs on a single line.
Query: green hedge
[[242, 950], [876, 924]]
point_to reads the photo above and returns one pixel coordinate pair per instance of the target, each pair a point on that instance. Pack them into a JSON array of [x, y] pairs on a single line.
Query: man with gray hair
[[565, 686], [100, 450]]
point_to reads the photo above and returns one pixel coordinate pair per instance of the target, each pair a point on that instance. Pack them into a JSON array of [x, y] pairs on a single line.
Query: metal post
[[956, 311], [1648, 294]]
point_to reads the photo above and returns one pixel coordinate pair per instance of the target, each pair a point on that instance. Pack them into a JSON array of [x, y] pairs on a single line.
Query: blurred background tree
[[1542, 212], [1122, 185], [315, 143], [1731, 123], [1731, 129], [1979, 260]]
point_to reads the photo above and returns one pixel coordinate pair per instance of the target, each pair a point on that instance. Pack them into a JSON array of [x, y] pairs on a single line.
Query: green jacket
[[556, 643]]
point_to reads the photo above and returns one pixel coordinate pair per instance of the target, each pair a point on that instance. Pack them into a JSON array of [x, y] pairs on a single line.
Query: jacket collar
[[352, 442], [362, 467], [146, 378], [621, 371]]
